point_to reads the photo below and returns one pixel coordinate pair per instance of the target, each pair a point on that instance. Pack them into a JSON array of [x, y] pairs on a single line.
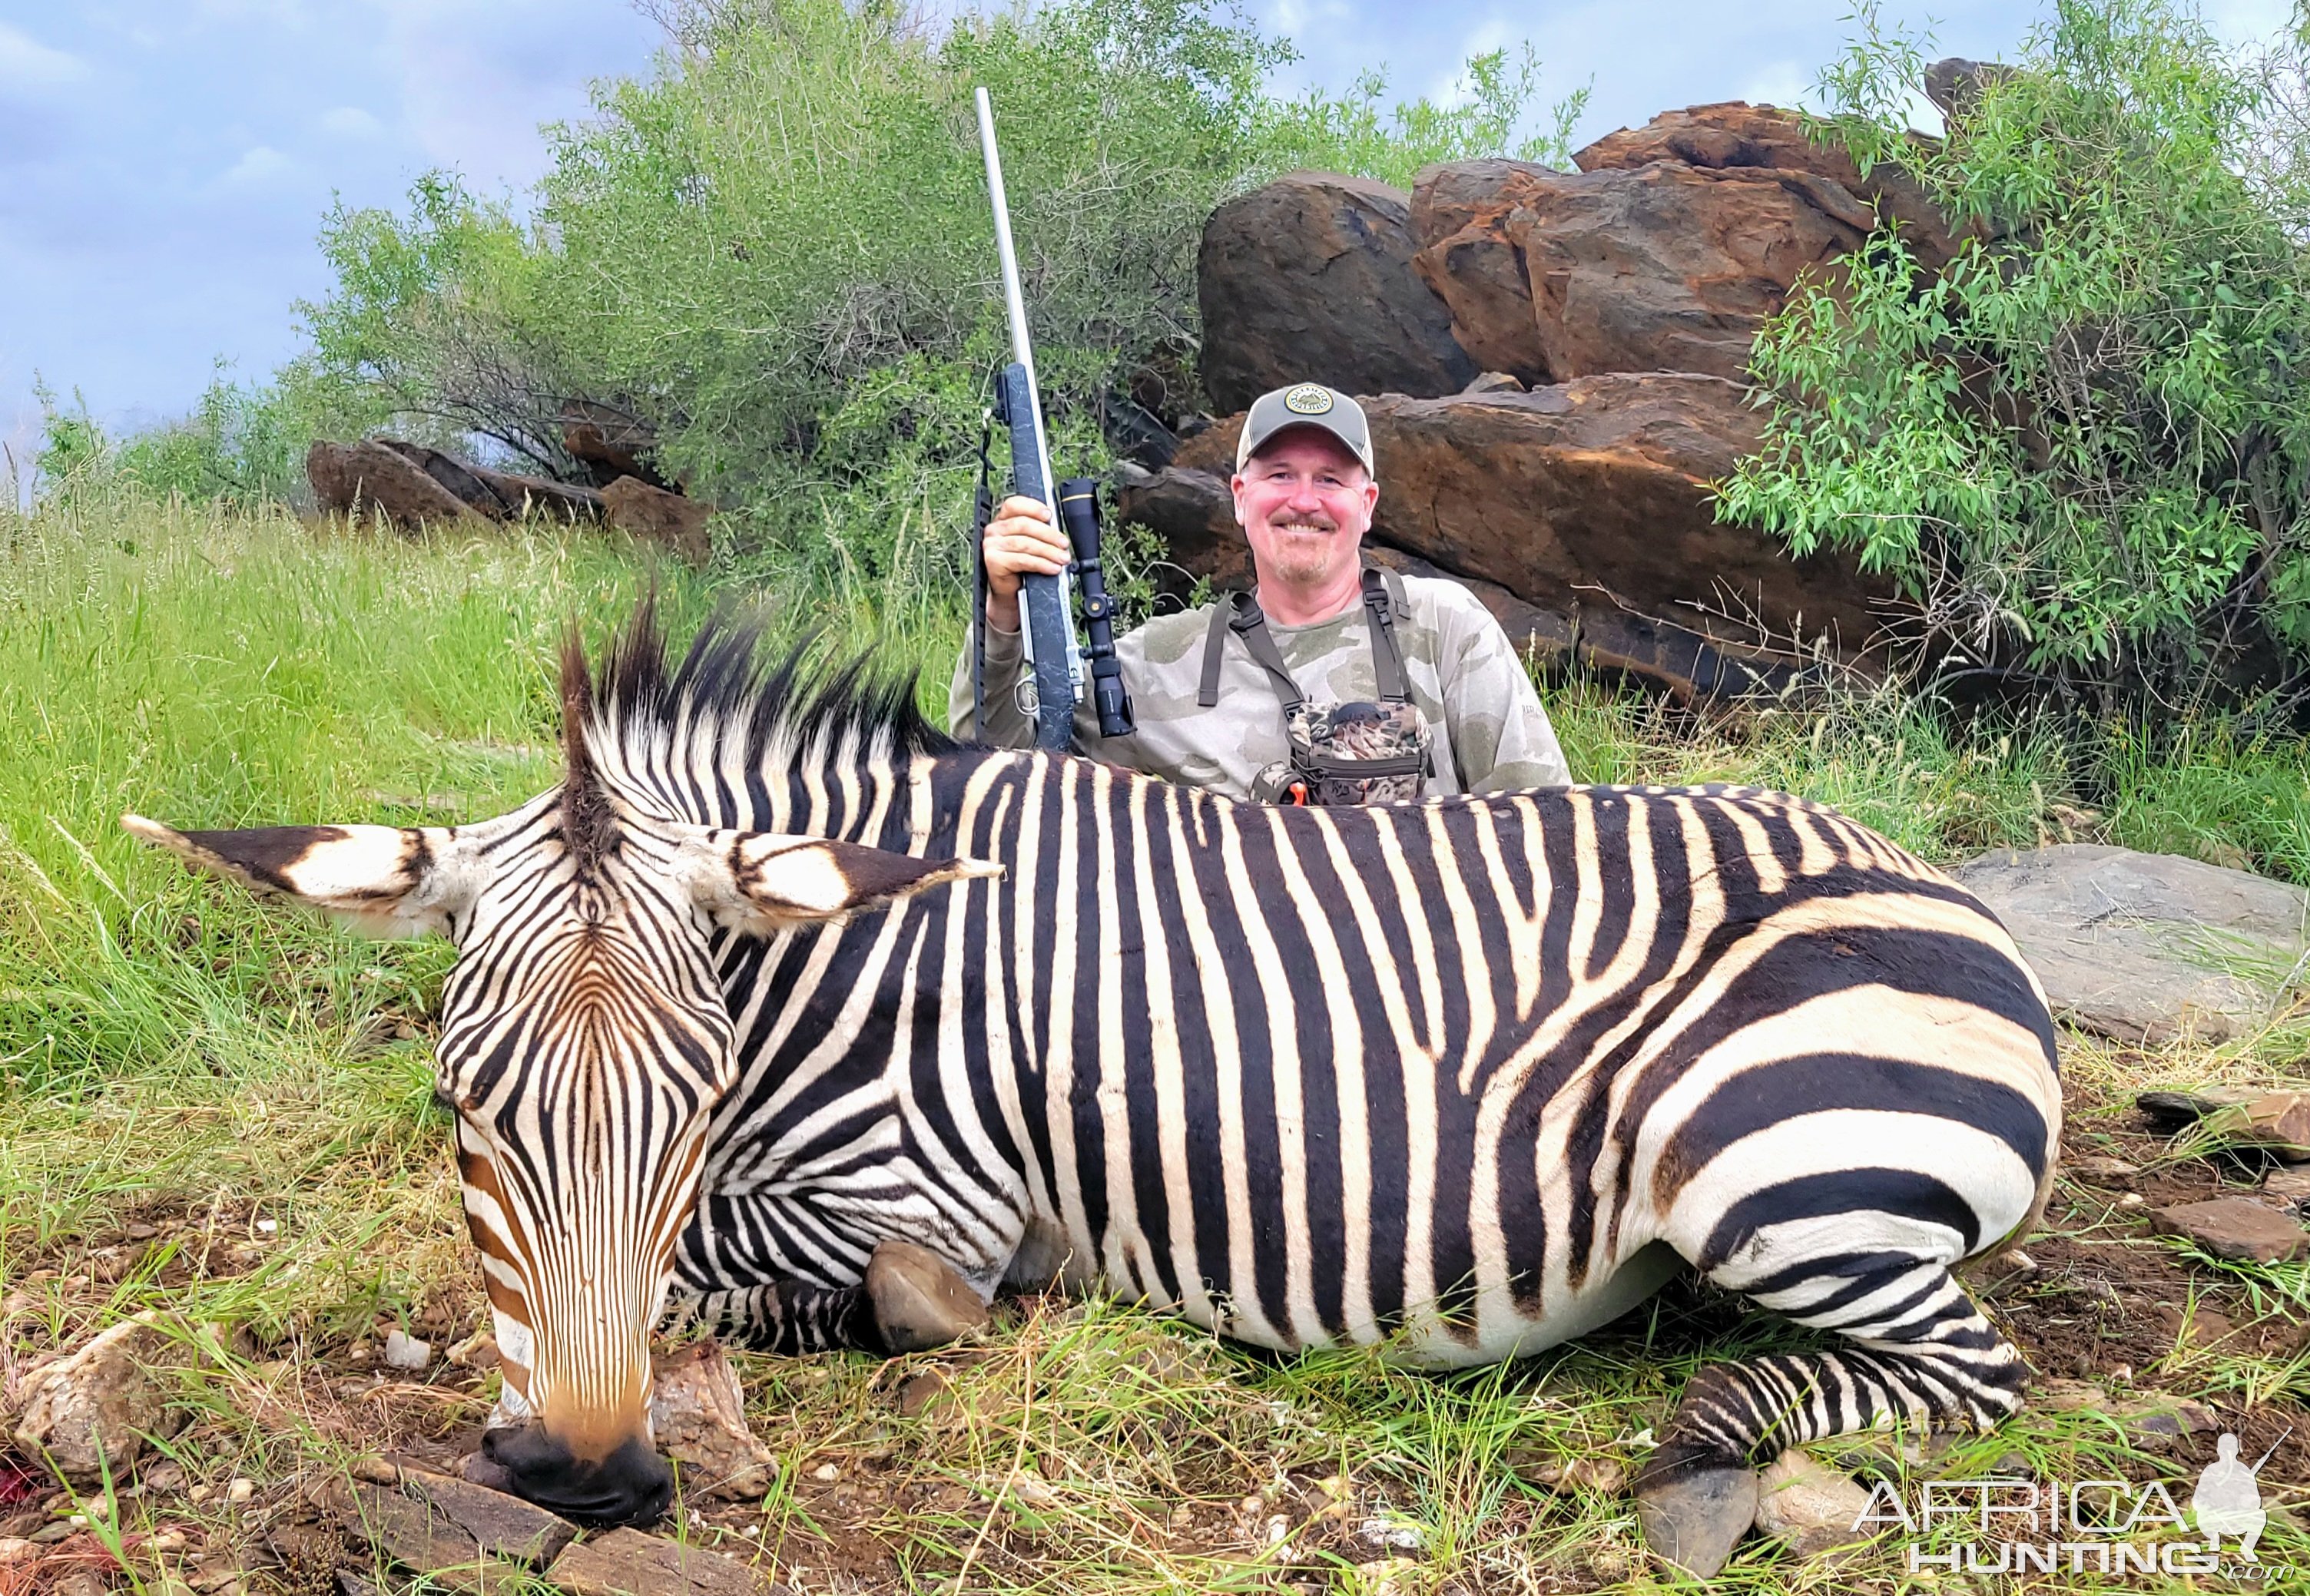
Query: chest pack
[[1339, 753]]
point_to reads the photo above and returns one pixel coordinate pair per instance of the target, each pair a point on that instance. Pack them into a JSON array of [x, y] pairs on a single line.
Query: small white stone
[[406, 1352], [239, 1491], [267, 1227], [826, 1473]]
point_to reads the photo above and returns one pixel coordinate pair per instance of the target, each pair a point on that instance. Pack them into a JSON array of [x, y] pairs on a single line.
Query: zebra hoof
[[919, 1300], [1694, 1509]]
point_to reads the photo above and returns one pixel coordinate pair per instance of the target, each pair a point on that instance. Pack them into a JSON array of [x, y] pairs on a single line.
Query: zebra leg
[[910, 1301], [1922, 1354]]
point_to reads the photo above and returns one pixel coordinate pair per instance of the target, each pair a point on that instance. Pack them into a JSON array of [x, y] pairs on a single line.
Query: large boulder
[[1310, 279], [1734, 134], [501, 495], [1478, 272], [1581, 513], [1660, 267], [347, 477], [2144, 948], [609, 442], [656, 517]]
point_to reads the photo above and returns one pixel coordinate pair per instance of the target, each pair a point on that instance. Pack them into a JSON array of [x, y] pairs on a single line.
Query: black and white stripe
[[1464, 1079]]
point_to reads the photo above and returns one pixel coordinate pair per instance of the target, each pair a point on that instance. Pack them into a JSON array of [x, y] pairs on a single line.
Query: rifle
[[1055, 656]]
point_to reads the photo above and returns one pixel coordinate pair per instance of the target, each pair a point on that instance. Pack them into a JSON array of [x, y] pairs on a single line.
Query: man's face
[[1305, 502]]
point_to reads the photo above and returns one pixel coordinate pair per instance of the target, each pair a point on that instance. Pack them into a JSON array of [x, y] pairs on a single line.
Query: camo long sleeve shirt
[[1484, 720]]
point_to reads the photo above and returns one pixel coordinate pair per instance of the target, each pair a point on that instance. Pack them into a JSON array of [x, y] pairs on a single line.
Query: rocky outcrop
[[1734, 134], [1660, 267], [348, 478], [657, 517], [416, 485], [1580, 513], [2145, 948], [1309, 278], [609, 442], [501, 495]]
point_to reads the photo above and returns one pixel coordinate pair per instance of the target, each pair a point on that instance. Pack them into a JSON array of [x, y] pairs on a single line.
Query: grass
[[224, 1112]]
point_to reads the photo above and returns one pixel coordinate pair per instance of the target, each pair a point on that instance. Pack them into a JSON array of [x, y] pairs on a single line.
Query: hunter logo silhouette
[[2228, 1499]]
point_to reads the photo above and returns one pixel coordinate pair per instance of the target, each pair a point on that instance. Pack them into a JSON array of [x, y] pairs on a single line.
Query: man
[[1382, 661]]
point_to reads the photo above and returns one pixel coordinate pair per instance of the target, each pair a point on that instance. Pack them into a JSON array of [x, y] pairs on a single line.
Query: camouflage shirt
[[1489, 732]]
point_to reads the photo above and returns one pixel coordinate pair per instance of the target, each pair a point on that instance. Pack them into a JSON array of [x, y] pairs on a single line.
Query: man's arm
[[1501, 737], [1005, 727], [1020, 541]]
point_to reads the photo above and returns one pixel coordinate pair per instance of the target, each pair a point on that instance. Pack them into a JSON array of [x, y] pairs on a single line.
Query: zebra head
[[583, 1047]]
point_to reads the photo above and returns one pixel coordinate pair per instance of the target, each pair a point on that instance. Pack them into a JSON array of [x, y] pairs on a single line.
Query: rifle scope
[[1079, 514]]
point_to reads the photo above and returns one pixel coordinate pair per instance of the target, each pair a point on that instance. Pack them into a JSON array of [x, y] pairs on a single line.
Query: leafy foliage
[[776, 248], [2082, 442]]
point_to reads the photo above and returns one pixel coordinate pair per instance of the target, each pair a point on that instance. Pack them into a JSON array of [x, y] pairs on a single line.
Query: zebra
[[785, 1007]]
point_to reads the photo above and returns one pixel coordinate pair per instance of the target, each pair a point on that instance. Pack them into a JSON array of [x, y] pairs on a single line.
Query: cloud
[[351, 122], [28, 65], [260, 166], [1782, 82]]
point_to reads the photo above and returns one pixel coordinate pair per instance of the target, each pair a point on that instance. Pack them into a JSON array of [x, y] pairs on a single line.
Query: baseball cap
[[1306, 404]]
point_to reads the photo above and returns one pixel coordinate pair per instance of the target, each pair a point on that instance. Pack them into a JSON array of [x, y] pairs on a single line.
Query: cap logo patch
[[1308, 399]]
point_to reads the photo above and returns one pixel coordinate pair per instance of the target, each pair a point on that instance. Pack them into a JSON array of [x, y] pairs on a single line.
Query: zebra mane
[[786, 707]]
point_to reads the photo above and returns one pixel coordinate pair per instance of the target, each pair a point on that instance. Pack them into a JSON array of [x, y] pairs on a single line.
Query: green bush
[[776, 248], [2082, 445]]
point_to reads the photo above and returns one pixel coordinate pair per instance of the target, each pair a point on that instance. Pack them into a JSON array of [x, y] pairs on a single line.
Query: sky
[[165, 164]]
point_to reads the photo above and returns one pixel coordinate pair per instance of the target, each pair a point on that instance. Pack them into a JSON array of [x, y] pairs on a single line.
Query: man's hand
[[1020, 542]]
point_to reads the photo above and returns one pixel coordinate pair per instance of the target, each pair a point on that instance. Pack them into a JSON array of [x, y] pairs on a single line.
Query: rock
[[698, 1415], [2290, 1187], [1664, 267], [2144, 948], [1494, 382], [629, 1563], [539, 495], [2277, 1122], [501, 496], [657, 517], [2273, 1123], [501, 1524], [1585, 505], [1736, 134], [1599, 1476], [2235, 1228], [2156, 1422], [1808, 1505], [1955, 83], [412, 1530], [1479, 271], [406, 1352], [1309, 278], [924, 1392], [2171, 1111], [610, 442], [94, 1408], [348, 476]]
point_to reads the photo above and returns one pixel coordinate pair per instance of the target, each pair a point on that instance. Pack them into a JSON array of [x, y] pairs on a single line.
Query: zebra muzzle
[[631, 1485]]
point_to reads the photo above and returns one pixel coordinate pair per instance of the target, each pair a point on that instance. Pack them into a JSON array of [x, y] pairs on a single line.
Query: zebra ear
[[764, 882], [386, 881]]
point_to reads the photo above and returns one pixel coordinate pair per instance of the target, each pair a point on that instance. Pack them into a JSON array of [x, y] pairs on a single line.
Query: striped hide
[[780, 976]]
